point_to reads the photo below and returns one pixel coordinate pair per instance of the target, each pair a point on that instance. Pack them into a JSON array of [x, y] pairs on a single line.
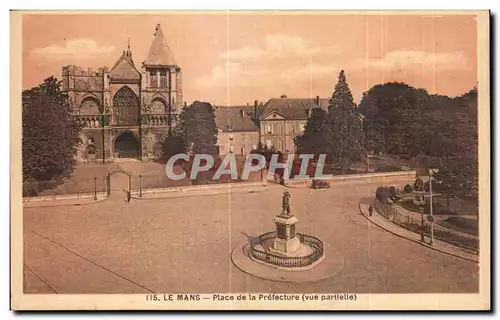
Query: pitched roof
[[159, 52], [238, 118], [290, 108], [124, 68]]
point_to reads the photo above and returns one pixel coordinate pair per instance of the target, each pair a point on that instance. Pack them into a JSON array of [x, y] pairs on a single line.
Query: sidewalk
[[189, 191], [62, 202], [442, 246]]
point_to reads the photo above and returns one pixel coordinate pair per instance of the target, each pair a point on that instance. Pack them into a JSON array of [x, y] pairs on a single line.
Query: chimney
[[243, 113], [283, 96], [255, 106], [317, 100]]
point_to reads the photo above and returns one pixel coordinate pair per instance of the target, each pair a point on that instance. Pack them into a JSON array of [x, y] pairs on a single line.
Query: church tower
[[126, 112], [161, 93]]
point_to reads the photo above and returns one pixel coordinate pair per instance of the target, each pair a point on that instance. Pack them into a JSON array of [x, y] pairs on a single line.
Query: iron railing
[[415, 225], [282, 261]]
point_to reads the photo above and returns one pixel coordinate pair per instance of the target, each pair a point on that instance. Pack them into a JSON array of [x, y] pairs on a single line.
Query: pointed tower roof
[[159, 53]]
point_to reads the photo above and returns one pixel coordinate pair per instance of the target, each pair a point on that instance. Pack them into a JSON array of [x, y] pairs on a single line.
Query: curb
[[415, 241], [29, 204], [269, 272], [194, 194]]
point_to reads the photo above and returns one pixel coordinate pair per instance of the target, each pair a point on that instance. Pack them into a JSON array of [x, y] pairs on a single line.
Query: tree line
[[398, 119], [392, 118]]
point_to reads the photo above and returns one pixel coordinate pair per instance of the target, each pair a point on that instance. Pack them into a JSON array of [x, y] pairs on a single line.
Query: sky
[[236, 58]]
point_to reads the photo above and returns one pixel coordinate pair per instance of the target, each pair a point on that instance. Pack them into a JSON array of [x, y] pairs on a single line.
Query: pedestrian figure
[[370, 210], [128, 196]]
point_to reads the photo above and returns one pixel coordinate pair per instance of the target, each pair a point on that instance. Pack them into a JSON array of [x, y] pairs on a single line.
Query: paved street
[[184, 245]]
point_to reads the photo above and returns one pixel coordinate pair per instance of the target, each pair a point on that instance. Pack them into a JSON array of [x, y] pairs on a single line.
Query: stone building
[[126, 110], [283, 119], [237, 130]]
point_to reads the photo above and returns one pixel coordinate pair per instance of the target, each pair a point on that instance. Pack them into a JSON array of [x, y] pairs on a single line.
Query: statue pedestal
[[285, 243]]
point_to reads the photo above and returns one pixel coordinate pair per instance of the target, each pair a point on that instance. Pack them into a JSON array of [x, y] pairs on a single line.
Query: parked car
[[320, 184]]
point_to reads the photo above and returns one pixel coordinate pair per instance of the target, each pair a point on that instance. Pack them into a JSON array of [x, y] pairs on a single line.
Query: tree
[[458, 168], [172, 145], [440, 129], [408, 189], [345, 127], [195, 131], [315, 139], [393, 193], [418, 185], [200, 128], [197, 126], [458, 176], [382, 194], [395, 115], [176, 141], [51, 134]]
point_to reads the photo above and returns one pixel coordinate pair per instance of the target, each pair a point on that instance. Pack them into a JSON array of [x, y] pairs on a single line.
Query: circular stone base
[[331, 264]]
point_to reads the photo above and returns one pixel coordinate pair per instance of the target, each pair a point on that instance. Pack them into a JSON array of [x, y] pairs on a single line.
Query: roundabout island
[[286, 255]]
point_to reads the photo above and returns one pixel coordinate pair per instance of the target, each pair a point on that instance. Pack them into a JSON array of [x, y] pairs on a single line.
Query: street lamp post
[[95, 188], [430, 208], [140, 185], [129, 183], [422, 237]]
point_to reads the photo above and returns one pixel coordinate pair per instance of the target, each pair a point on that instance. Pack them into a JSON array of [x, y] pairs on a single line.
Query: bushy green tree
[[458, 171], [316, 137], [194, 131], [51, 135], [382, 194], [394, 116], [176, 141], [197, 127], [418, 185]]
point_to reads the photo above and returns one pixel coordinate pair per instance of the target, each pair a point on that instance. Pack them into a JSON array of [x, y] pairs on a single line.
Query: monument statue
[[285, 206]]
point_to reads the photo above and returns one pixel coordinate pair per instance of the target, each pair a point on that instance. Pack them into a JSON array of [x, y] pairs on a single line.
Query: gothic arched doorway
[[91, 153], [158, 150], [127, 145]]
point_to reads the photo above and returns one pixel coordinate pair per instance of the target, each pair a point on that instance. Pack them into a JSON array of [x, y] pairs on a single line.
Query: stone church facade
[[126, 111]]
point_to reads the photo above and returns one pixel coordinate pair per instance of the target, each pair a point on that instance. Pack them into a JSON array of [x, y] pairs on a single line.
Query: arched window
[[163, 79], [158, 106], [89, 106], [126, 107]]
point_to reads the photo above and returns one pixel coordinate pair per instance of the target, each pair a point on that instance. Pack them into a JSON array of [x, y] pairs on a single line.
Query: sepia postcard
[[250, 160]]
